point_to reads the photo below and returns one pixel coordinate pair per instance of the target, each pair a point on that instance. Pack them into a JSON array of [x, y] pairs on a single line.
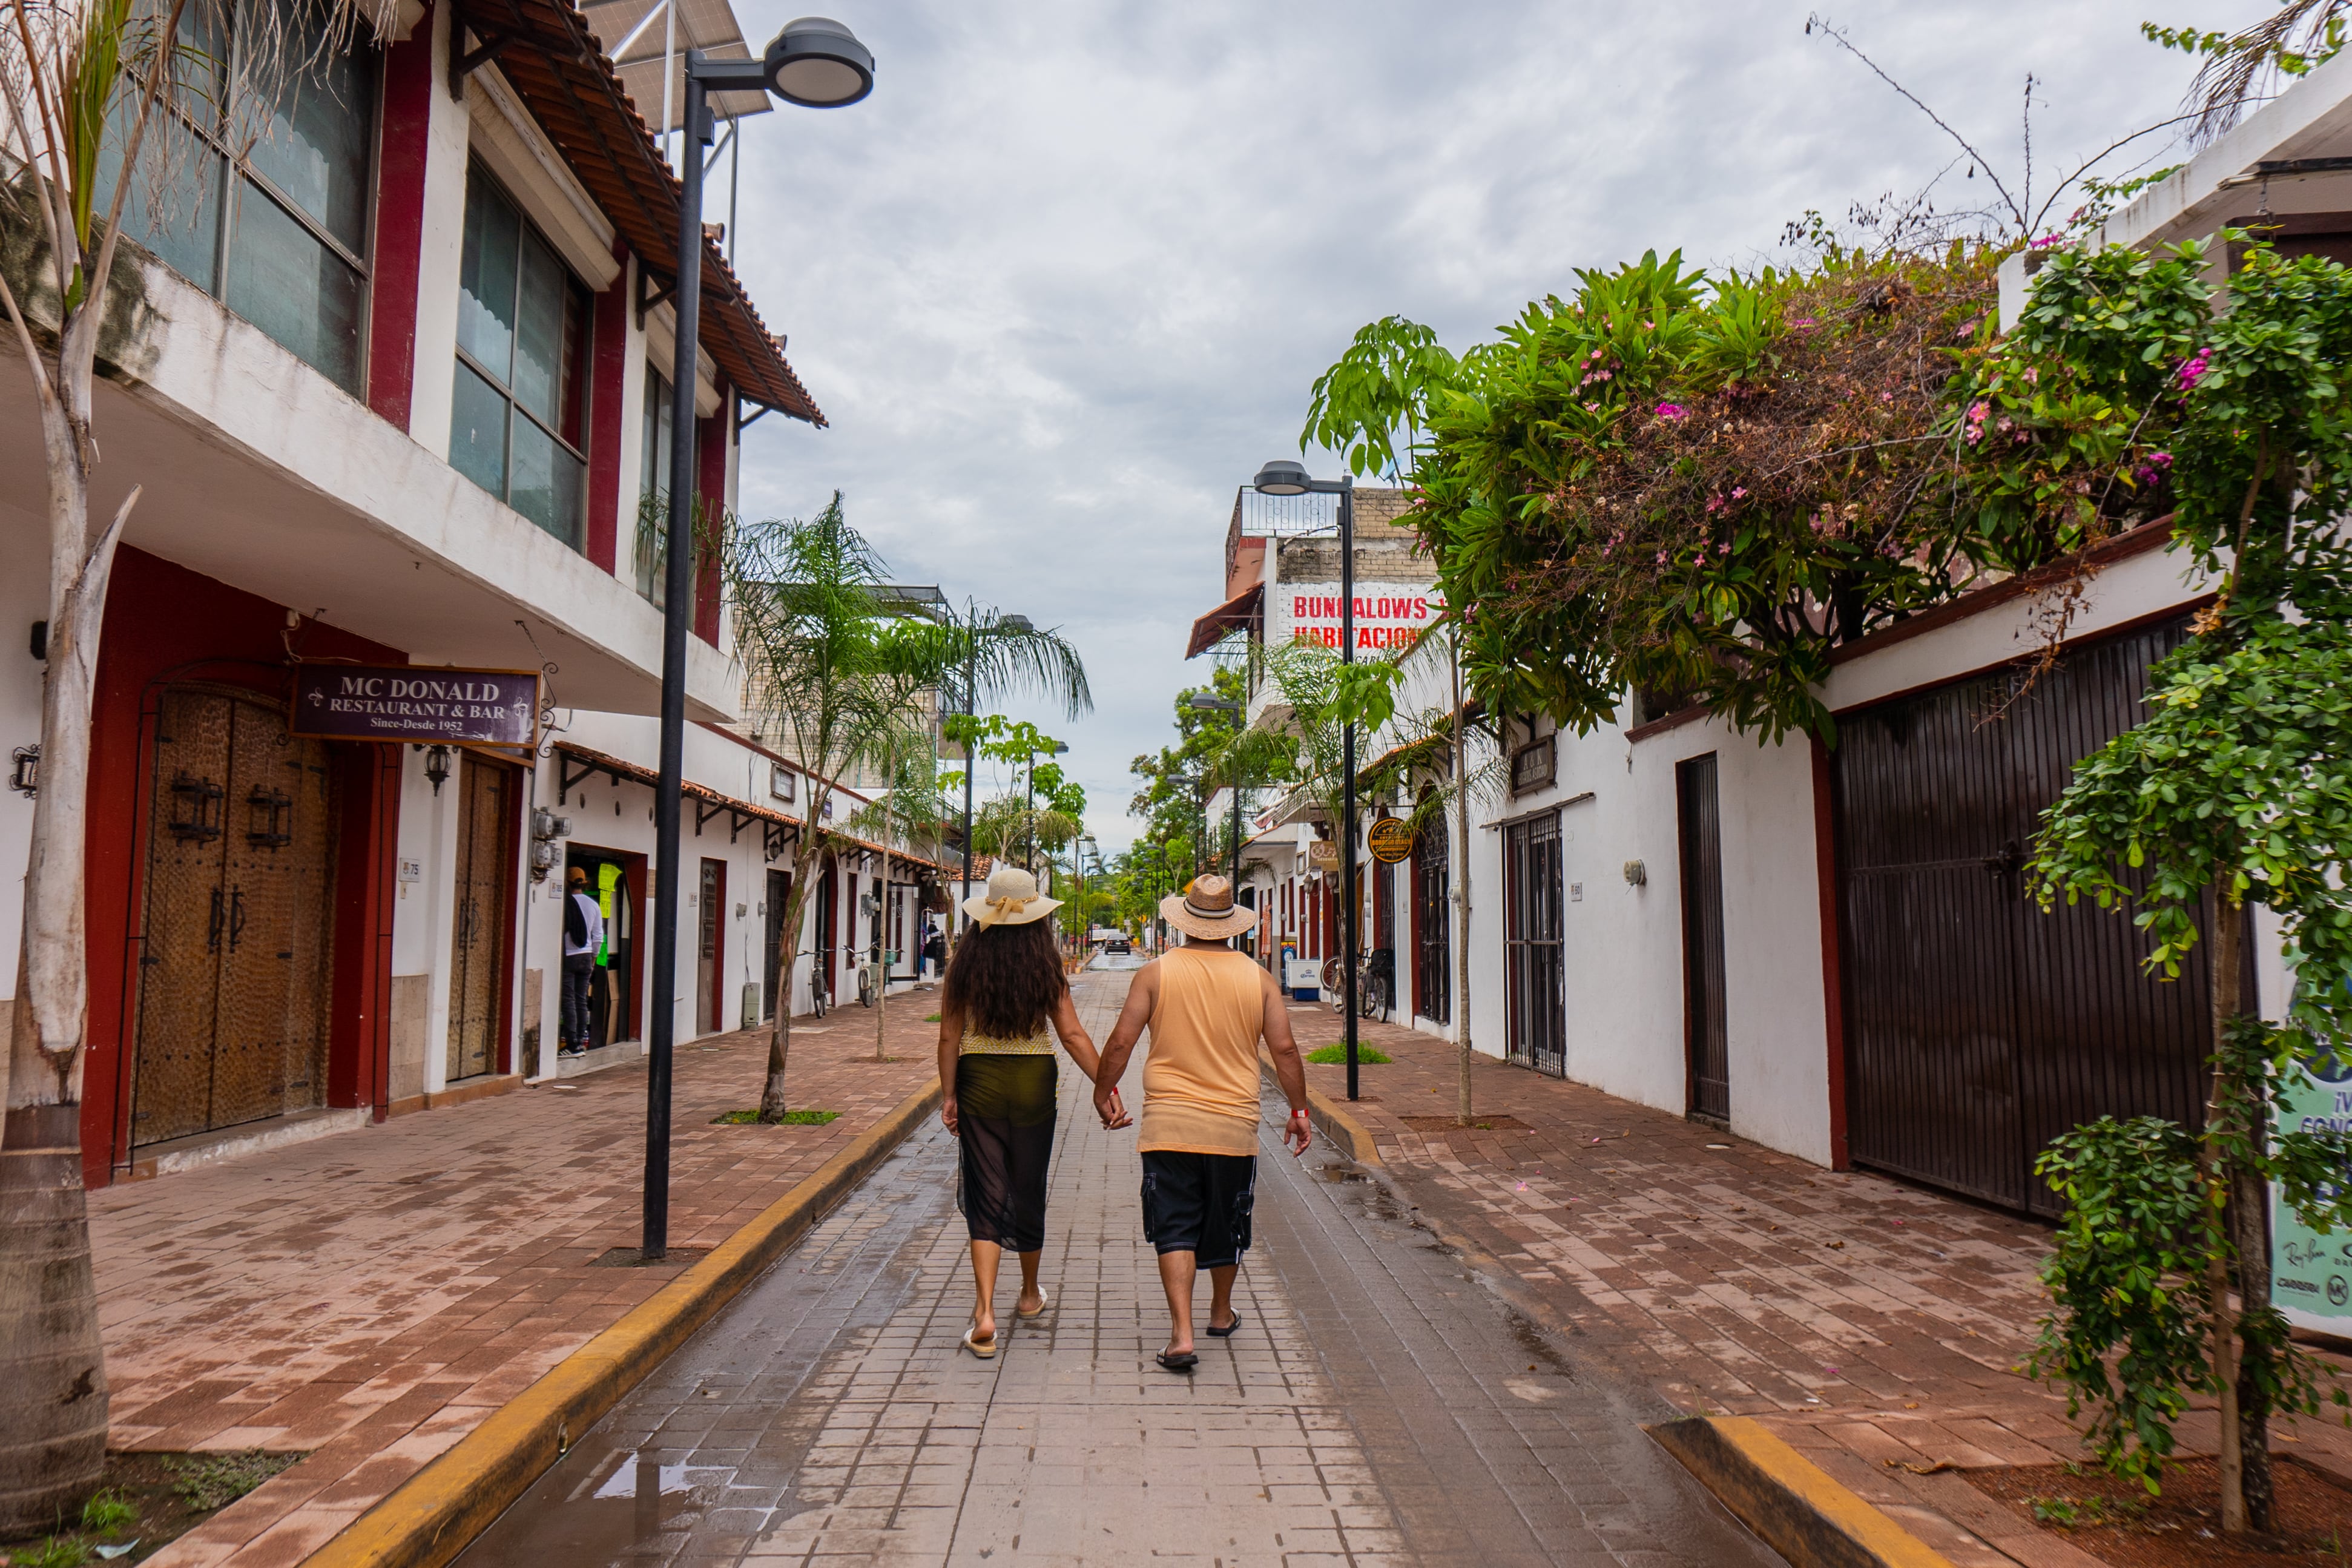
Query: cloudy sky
[[1065, 278]]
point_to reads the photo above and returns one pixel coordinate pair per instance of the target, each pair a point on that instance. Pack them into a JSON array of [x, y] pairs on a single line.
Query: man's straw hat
[[1012, 899], [1207, 908]]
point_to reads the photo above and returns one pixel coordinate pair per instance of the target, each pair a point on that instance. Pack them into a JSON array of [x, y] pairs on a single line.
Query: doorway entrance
[[1705, 1023], [616, 882], [1533, 944], [236, 956], [1978, 1028], [780, 894], [484, 896], [707, 990], [1433, 922]]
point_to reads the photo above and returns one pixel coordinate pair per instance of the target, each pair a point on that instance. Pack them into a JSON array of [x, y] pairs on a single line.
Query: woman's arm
[[1081, 1046], [950, 1040]]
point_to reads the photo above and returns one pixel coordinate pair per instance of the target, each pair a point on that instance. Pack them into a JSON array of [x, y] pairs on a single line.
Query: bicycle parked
[[1375, 984]]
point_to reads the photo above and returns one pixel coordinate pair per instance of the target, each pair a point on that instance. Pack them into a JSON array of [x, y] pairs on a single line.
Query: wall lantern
[[437, 766], [25, 770]]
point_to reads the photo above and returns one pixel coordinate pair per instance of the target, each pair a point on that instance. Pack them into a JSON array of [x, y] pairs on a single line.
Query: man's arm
[[1141, 997], [1288, 1070]]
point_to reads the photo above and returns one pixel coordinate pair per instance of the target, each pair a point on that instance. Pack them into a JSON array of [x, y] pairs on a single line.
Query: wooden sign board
[[1392, 840]]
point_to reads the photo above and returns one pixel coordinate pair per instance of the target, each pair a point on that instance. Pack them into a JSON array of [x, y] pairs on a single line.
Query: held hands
[[1107, 1106], [1300, 1131]]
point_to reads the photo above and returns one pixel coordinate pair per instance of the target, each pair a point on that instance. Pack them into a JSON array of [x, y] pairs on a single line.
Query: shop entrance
[[235, 953], [615, 880], [484, 895], [708, 992], [779, 893]]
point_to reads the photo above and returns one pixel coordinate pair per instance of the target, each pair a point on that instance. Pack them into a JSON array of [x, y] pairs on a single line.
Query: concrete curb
[[437, 1512], [1786, 1499], [1351, 1137]]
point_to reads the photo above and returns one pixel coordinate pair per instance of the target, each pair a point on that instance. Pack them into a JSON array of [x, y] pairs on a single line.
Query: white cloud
[[1064, 280]]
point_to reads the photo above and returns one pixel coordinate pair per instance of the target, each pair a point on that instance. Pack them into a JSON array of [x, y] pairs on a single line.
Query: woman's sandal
[[1044, 1305], [1181, 1361], [1226, 1333], [986, 1351]]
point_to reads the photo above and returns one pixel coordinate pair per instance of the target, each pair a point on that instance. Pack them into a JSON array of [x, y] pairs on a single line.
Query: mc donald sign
[[416, 703]]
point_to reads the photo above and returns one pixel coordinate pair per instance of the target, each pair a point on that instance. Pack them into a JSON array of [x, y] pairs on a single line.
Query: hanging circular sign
[[1392, 840]]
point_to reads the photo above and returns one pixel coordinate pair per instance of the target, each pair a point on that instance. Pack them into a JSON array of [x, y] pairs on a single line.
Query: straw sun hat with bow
[[1012, 899]]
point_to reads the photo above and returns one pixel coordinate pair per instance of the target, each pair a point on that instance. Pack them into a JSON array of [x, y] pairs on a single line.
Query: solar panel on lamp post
[[1283, 478], [819, 64]]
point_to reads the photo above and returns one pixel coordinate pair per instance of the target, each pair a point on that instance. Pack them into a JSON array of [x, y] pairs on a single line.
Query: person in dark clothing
[[935, 951], [583, 938]]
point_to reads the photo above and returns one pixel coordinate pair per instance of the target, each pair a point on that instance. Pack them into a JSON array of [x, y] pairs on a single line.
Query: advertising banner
[[2311, 1274], [416, 703], [1389, 616]]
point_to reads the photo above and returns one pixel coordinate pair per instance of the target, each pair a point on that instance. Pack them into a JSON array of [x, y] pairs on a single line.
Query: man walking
[[583, 934], [1206, 1005]]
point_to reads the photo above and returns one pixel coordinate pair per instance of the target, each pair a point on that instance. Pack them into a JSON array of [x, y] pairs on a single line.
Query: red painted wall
[[166, 623], [710, 483], [608, 379], [399, 223]]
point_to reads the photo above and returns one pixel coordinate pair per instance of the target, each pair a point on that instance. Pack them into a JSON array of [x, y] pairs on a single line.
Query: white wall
[[24, 599]]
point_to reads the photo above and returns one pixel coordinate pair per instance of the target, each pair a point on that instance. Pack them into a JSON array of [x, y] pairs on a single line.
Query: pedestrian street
[[1377, 1405]]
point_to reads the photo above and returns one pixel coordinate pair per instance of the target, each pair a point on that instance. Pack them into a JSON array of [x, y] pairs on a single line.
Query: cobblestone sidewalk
[[1875, 1326], [370, 1297]]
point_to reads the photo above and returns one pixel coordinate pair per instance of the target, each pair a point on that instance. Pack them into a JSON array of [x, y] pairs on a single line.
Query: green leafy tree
[[2235, 789], [836, 673], [910, 810]]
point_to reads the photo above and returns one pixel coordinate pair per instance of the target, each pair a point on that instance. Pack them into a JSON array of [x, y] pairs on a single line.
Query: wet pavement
[[1379, 1404]]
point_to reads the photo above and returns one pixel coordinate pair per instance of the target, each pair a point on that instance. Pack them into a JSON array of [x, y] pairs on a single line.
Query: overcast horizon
[[1064, 280]]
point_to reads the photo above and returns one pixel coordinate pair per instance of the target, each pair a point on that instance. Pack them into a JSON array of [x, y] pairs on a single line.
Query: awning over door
[[1241, 610]]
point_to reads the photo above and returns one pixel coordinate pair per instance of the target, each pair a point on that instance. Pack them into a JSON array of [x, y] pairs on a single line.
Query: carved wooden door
[[235, 955], [477, 936]]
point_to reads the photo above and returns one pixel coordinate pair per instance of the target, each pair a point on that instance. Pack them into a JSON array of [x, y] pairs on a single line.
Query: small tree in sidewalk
[[2236, 790]]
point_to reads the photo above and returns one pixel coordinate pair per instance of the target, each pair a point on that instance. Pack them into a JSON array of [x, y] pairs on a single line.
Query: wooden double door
[[237, 929], [1978, 1025], [484, 895]]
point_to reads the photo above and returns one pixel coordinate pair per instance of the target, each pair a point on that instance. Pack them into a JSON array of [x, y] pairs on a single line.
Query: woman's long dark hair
[[1006, 979]]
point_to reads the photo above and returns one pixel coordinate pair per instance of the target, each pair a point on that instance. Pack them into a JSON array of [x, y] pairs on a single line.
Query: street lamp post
[[818, 64], [1281, 478]]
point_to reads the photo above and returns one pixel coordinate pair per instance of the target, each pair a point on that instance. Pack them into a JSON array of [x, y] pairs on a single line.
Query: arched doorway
[[237, 930]]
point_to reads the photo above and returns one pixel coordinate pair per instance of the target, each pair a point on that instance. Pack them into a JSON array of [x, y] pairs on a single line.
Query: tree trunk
[[2246, 1489], [882, 935], [1461, 896], [772, 1104], [52, 1360]]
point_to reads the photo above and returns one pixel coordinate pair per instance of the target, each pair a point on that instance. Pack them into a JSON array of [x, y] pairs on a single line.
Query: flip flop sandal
[[1044, 1305], [1225, 1333], [1183, 1361], [984, 1352]]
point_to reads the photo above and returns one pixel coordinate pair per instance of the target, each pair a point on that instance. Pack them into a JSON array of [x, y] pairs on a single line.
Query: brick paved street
[[1873, 1325], [372, 1295], [1376, 1407]]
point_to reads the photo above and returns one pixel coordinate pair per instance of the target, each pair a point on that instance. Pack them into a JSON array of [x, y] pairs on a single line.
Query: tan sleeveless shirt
[[1201, 1081]]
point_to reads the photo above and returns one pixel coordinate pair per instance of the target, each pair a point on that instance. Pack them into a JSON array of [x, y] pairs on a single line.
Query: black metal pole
[[1348, 774], [970, 680], [677, 614]]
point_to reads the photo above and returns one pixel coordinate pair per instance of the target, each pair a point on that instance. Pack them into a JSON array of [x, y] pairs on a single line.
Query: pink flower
[[2161, 459], [1592, 408], [2192, 370], [1662, 558], [1672, 411], [1885, 397], [2046, 242], [1738, 494], [1977, 412], [1714, 505], [1724, 548]]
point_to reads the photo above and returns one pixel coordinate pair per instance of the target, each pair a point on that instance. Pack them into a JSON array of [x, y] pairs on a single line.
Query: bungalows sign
[[1390, 617], [416, 703]]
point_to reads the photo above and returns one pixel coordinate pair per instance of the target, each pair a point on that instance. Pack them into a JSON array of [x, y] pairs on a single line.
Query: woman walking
[[997, 1082]]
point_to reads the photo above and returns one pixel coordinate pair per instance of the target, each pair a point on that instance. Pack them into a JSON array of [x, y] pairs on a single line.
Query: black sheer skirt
[[1005, 1120]]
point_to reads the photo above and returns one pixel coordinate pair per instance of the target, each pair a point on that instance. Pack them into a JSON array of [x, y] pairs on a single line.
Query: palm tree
[[835, 669], [80, 84]]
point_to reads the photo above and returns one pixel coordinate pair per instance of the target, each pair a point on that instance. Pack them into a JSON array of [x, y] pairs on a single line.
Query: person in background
[[583, 935], [935, 951]]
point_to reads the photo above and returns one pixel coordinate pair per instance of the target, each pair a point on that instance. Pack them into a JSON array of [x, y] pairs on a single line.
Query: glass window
[[518, 425], [653, 489], [256, 185]]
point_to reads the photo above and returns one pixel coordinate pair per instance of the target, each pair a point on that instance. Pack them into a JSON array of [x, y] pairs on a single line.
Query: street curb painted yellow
[[437, 1512], [1786, 1499], [1354, 1139]]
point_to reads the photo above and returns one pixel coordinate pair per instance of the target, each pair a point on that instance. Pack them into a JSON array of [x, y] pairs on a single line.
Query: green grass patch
[[930, 1017], [57, 1552], [107, 1512], [1338, 1054], [792, 1118], [209, 1482]]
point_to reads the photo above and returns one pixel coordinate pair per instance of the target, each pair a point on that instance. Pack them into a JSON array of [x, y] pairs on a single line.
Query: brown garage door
[[1977, 1028]]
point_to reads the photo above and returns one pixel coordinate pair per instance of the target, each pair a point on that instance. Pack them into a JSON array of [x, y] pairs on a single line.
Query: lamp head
[[1016, 624], [817, 63], [1280, 477], [1203, 700]]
